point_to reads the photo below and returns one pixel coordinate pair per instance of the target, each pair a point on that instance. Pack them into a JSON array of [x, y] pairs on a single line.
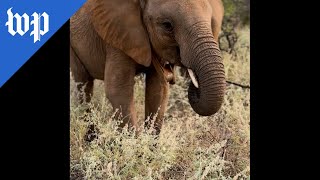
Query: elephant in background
[[114, 40]]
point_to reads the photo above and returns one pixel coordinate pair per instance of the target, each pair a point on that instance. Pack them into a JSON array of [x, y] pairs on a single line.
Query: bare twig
[[240, 85]]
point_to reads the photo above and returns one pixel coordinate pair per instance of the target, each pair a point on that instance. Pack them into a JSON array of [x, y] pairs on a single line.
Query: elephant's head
[[181, 32]]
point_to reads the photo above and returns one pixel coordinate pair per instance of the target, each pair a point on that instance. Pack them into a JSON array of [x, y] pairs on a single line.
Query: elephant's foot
[[92, 133], [153, 124], [92, 130]]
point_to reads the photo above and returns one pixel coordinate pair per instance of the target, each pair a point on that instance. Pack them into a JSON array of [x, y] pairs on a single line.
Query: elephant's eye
[[167, 26]]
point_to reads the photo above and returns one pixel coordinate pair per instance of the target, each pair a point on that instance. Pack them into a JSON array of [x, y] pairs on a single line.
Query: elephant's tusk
[[193, 78]]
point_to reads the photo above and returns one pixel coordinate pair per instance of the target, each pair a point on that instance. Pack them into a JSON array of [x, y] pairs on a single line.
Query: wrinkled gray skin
[[115, 40]]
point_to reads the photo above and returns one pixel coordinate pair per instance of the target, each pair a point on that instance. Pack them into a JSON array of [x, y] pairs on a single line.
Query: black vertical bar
[[34, 113]]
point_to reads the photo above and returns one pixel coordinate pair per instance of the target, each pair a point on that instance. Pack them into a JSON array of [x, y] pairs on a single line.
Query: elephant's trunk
[[200, 53]]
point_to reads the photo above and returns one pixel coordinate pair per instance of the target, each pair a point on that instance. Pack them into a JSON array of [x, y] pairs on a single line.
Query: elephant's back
[[88, 45], [80, 24]]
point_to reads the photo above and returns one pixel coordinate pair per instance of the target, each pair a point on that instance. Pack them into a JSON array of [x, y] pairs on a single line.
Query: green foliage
[[237, 15], [237, 10], [229, 8]]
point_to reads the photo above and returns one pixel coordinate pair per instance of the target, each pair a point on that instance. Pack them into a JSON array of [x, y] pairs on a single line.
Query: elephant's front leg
[[156, 99], [119, 86]]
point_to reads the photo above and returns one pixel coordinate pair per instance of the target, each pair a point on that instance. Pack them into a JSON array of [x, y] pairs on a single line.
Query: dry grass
[[189, 146]]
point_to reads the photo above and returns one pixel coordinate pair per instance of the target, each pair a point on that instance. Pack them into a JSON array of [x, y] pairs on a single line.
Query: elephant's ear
[[217, 17], [118, 23]]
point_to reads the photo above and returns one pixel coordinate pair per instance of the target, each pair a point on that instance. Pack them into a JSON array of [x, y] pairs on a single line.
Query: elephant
[[115, 40]]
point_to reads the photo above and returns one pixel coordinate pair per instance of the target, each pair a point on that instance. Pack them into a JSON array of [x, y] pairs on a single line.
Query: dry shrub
[[188, 147]]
